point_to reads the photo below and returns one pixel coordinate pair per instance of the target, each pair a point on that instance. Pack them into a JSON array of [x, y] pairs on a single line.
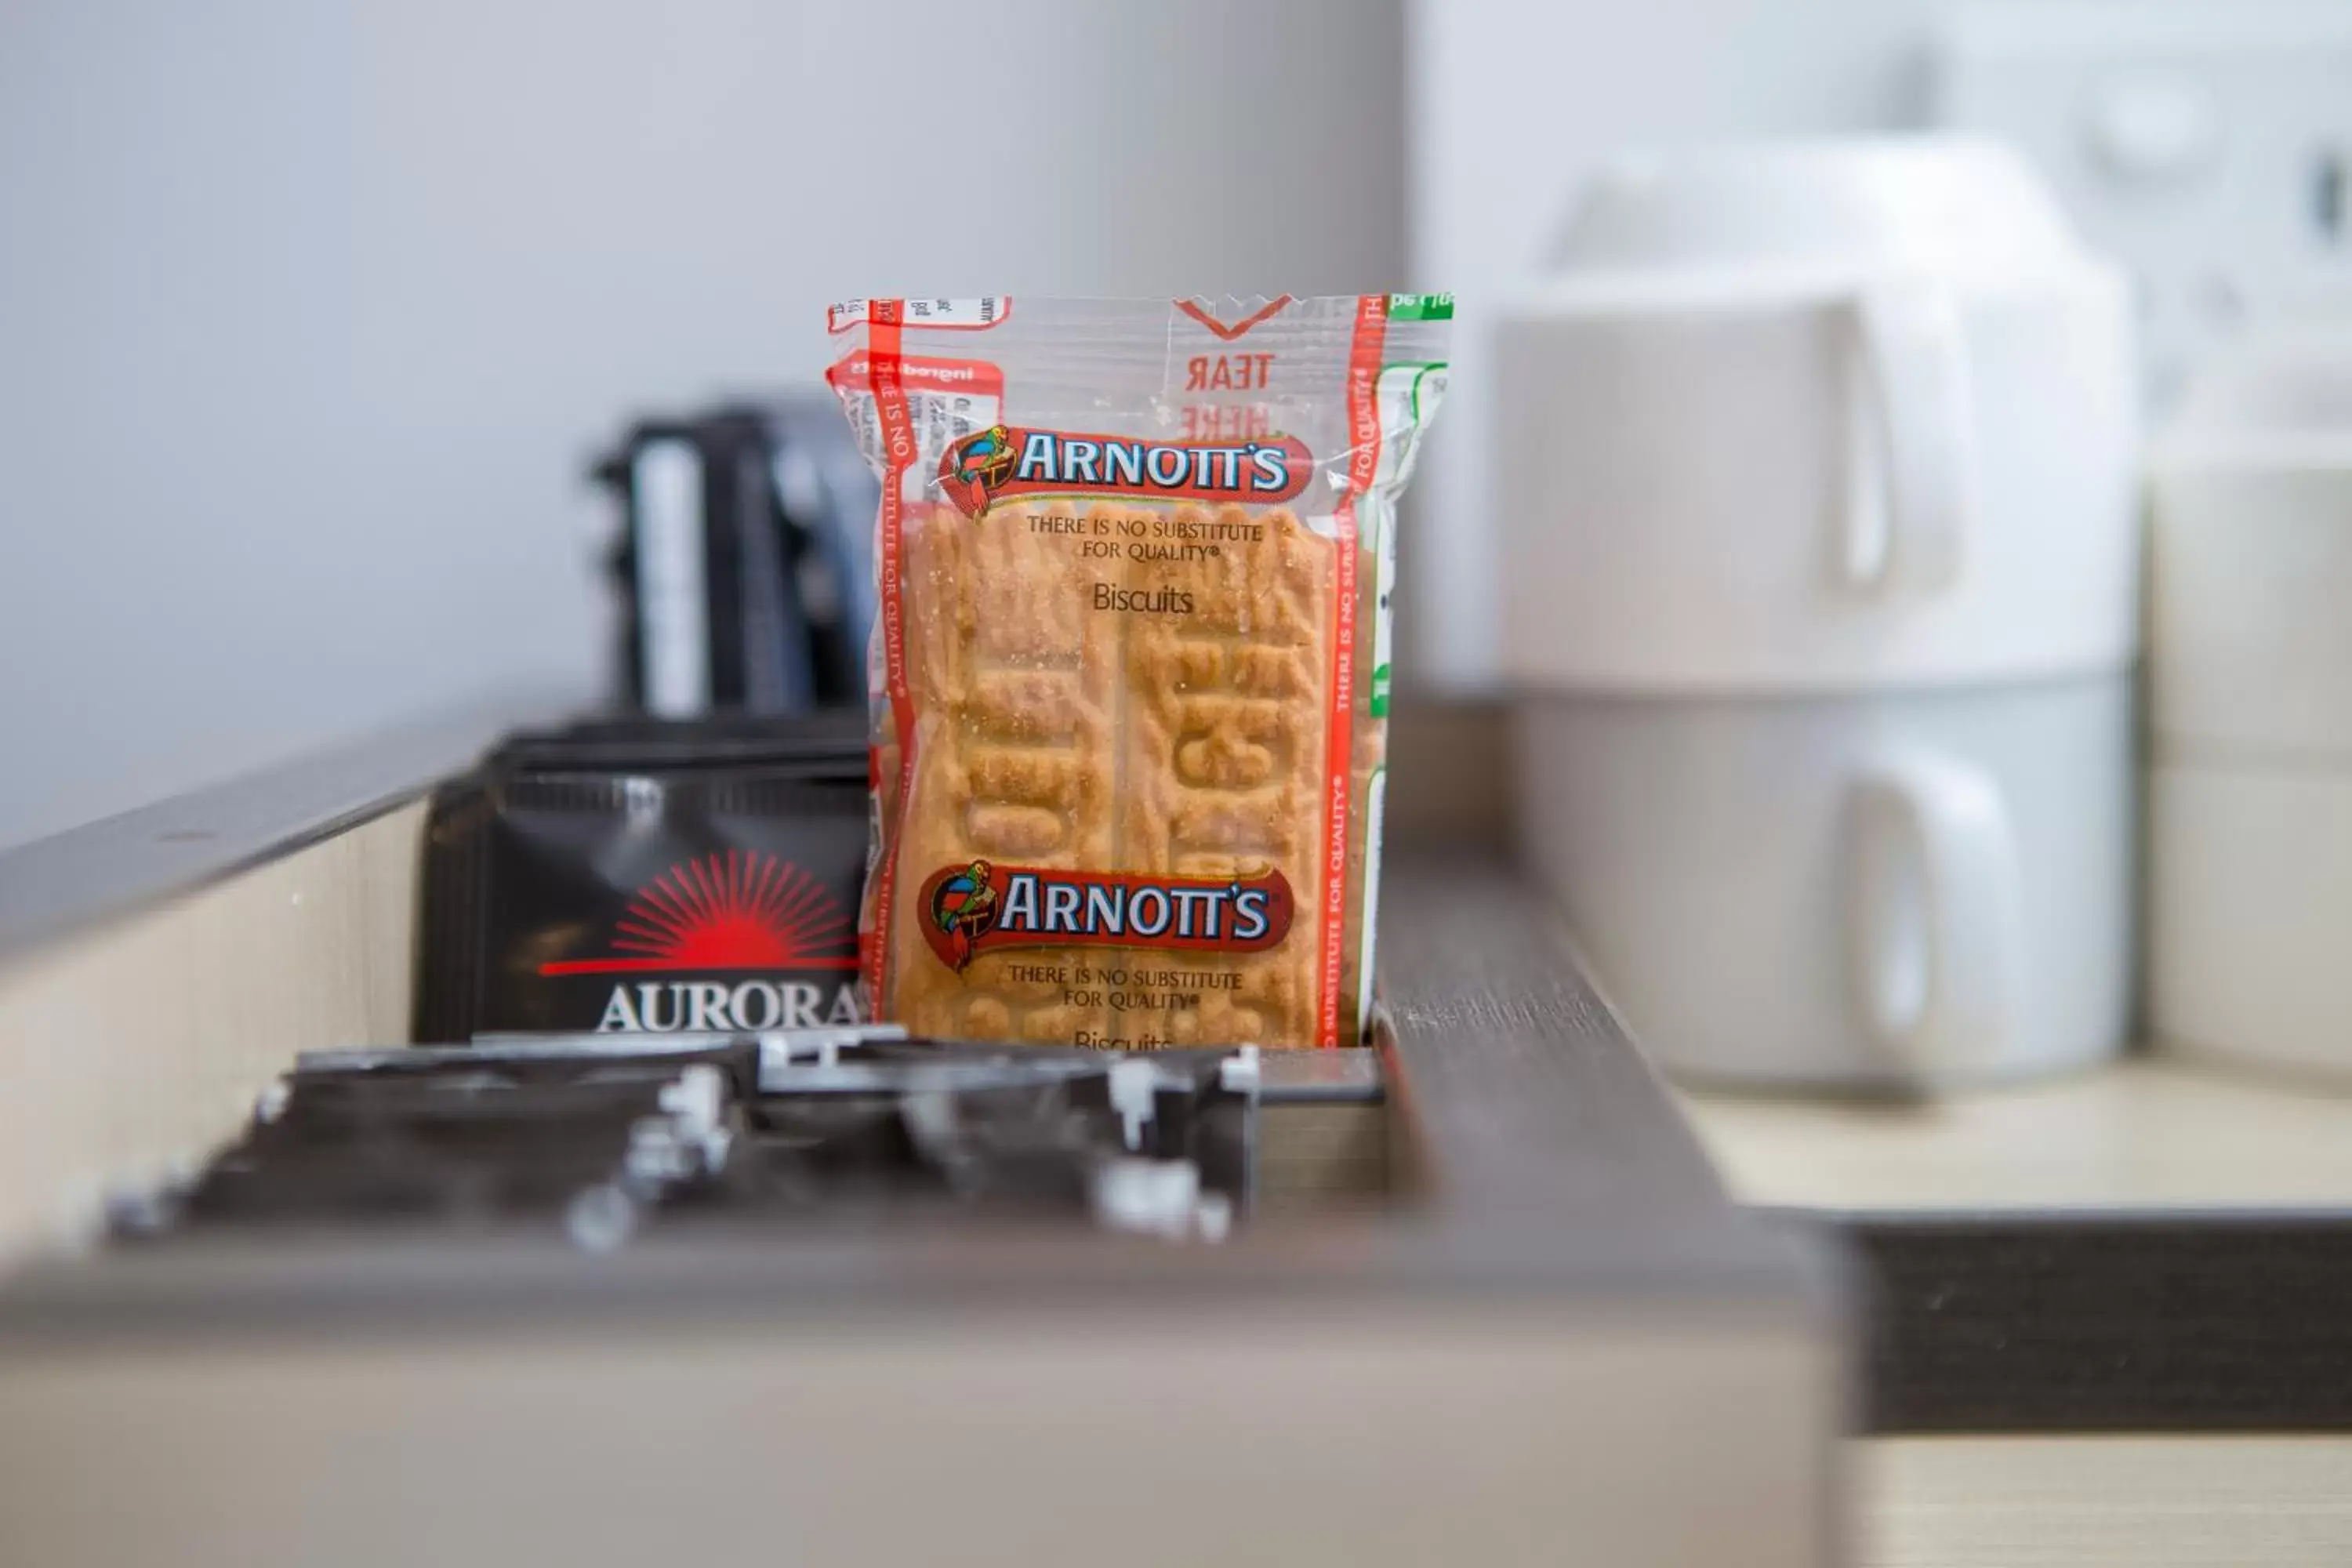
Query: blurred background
[[316, 321], [313, 315]]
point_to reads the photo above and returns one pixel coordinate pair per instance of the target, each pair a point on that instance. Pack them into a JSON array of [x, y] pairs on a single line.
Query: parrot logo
[[964, 907], [981, 463]]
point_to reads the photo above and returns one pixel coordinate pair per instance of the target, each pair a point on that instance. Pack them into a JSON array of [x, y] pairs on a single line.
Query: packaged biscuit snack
[[1130, 673]]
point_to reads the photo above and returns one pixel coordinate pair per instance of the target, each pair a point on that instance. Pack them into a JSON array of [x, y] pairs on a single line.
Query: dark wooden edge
[[1554, 1170], [1321, 1077], [52, 888], [2081, 1321]]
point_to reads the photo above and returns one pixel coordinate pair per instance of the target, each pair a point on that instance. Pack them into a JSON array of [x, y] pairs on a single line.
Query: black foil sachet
[[633, 875]]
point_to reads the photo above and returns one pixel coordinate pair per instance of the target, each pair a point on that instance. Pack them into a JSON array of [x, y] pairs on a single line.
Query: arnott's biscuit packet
[[1131, 666]]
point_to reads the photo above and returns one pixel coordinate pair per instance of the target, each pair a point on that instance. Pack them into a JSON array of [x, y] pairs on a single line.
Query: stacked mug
[[2249, 663], [1818, 469]]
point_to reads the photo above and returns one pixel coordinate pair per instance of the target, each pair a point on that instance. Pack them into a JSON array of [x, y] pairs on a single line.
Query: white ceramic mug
[[2249, 909], [1818, 417], [2249, 600], [1889, 891]]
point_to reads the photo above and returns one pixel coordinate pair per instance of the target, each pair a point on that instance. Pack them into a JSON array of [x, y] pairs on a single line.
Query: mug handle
[[1934, 912], [1913, 459]]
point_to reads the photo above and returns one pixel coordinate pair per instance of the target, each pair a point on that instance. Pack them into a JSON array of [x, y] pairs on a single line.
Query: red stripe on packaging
[[1363, 466], [886, 369]]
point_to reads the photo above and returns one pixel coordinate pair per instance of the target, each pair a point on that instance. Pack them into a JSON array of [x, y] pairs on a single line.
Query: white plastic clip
[[599, 1219], [696, 1097], [1146, 1198], [1239, 1073], [1134, 1094]]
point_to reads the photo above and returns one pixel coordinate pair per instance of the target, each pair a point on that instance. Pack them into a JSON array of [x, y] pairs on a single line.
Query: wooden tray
[[1497, 1307]]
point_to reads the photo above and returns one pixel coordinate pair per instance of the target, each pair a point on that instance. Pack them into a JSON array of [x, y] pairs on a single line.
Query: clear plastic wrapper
[[1130, 678]]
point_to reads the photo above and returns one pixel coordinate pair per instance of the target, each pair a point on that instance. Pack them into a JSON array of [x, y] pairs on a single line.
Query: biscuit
[[1051, 734], [1015, 686]]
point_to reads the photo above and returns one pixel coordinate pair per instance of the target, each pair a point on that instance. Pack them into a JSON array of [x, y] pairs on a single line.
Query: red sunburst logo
[[735, 911]]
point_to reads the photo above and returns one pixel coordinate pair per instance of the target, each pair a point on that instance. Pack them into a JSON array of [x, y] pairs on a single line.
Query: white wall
[[311, 314], [1513, 102]]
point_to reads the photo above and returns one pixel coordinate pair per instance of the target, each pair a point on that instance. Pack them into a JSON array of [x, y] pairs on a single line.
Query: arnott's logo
[[1004, 460], [971, 908]]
